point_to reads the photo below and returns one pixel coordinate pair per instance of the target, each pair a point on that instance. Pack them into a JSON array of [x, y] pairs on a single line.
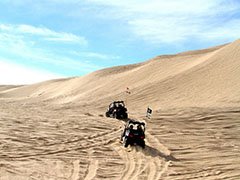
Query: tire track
[[92, 137], [86, 143], [139, 162], [92, 171], [158, 157], [76, 170], [92, 167], [150, 163], [128, 160]]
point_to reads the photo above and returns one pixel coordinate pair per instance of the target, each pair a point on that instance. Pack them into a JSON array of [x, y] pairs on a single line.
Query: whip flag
[[128, 91], [149, 112]]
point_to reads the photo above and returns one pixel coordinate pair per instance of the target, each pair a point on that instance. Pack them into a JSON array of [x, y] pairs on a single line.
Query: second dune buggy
[[117, 110]]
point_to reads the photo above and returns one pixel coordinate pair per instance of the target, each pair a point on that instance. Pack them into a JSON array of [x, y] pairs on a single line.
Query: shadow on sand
[[151, 151]]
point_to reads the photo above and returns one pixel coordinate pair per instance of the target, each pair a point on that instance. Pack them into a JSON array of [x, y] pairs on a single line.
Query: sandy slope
[[57, 129], [185, 79], [5, 87]]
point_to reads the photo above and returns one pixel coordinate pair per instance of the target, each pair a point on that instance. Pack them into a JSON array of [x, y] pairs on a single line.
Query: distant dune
[[7, 87], [208, 77], [57, 129]]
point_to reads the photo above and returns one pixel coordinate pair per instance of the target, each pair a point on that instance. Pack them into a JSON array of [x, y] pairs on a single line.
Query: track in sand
[[72, 145]]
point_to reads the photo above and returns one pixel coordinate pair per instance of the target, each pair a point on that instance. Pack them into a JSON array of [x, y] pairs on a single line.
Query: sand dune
[[188, 78], [5, 87], [57, 129]]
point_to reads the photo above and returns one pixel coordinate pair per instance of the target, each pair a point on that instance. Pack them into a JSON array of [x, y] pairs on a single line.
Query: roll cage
[[116, 104], [134, 123]]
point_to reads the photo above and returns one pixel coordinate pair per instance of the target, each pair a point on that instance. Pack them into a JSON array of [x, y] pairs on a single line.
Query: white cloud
[[156, 21], [95, 55], [14, 74], [228, 30], [160, 21], [25, 50], [68, 38], [48, 34], [3, 27], [32, 30]]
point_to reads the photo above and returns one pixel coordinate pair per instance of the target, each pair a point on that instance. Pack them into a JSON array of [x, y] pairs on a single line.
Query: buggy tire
[[142, 144], [107, 114], [125, 143], [115, 115], [121, 138]]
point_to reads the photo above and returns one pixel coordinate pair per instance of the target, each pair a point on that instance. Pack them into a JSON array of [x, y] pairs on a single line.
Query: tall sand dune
[[208, 77], [57, 129]]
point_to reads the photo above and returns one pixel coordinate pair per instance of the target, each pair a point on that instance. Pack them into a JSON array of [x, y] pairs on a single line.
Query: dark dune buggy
[[134, 133], [117, 110]]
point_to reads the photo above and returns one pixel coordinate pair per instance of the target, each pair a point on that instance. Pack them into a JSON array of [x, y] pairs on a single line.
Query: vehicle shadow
[[151, 151]]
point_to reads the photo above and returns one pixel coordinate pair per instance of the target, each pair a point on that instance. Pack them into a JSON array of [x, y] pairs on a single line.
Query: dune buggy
[[117, 110], [134, 133]]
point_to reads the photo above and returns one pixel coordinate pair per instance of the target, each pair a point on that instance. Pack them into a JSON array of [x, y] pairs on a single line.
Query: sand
[[57, 130]]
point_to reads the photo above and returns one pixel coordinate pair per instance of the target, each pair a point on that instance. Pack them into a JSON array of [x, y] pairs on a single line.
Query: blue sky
[[48, 39]]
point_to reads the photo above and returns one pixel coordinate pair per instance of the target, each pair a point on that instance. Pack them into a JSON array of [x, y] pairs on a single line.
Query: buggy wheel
[[121, 138], [115, 115], [142, 144], [125, 116], [107, 114], [125, 143]]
